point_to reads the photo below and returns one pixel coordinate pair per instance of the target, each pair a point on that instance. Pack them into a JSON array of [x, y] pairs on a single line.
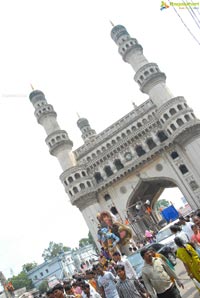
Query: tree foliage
[[83, 242], [43, 286], [162, 204], [29, 266], [21, 280], [54, 250]]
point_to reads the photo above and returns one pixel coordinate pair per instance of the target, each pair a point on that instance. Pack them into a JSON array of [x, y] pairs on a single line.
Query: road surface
[[189, 290]]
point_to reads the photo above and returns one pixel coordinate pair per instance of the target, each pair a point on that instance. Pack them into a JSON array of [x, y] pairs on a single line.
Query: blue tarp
[[170, 213]]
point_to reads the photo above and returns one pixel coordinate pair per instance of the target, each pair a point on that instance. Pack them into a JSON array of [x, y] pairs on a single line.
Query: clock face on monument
[[128, 156]]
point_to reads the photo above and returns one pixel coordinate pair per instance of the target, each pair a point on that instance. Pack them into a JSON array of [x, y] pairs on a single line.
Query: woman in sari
[[188, 255]]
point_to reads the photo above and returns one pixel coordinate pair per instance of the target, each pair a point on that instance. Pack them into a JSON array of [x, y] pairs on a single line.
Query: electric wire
[[192, 13], [188, 29]]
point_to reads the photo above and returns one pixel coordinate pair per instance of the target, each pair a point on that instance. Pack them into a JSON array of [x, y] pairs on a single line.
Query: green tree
[[21, 280], [91, 241], [83, 242], [29, 266], [54, 250], [162, 204], [43, 286]]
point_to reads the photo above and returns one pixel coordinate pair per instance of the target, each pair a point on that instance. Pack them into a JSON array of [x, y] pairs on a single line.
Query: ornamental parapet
[[170, 103], [149, 75], [58, 139], [116, 128], [188, 131], [46, 110]]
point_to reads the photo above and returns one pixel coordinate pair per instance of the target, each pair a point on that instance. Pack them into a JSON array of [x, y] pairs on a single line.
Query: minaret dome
[[87, 132]]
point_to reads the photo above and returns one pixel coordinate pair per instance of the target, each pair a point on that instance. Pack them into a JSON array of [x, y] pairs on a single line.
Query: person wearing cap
[[157, 277]]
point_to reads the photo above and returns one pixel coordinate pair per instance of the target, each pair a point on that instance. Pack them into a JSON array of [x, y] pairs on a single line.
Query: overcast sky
[[64, 49]]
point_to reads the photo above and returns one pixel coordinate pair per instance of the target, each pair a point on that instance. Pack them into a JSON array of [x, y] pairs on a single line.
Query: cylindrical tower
[[148, 75], [58, 141], [87, 132]]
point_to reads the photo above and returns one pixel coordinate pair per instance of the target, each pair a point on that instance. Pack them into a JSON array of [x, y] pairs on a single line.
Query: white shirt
[[130, 272], [187, 229]]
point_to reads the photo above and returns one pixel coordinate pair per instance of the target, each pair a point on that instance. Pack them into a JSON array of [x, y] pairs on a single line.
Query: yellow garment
[[193, 261]]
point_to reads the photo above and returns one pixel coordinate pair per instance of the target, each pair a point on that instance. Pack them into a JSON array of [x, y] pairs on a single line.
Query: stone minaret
[[87, 132], [58, 141], [148, 75], [175, 116], [77, 182]]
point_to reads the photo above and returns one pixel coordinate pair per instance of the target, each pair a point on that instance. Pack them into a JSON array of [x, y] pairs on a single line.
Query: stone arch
[[147, 189]]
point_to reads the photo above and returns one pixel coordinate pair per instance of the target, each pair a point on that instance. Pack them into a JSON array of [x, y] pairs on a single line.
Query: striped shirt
[[127, 289]]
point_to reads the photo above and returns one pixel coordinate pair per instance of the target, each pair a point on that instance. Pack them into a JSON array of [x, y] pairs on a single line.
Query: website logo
[[163, 5]]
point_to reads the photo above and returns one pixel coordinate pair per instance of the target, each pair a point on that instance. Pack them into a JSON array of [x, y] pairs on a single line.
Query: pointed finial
[[134, 105], [78, 115], [32, 87], [112, 23]]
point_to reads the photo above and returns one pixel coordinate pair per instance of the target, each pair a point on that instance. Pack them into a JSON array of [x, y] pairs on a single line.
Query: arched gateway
[[155, 146]]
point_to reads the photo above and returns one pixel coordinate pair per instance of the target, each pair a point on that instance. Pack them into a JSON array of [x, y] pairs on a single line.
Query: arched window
[[174, 155], [185, 105], [144, 121], [75, 189], [123, 135], [103, 148], [193, 115], [98, 152], [118, 138], [150, 143], [183, 169], [70, 193], [173, 127], [162, 136], [118, 164], [179, 107], [187, 117], [150, 117], [140, 151], [65, 182], [107, 197], [108, 145], [88, 158], [93, 155], [169, 132], [139, 124], [128, 132], [83, 173], [70, 179], [77, 176], [166, 116], [172, 111], [179, 122], [98, 177], [88, 184], [82, 186], [113, 142], [162, 120], [133, 128], [146, 73], [114, 210], [108, 171]]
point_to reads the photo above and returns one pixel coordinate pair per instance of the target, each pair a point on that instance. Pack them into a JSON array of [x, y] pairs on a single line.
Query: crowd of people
[[114, 277]]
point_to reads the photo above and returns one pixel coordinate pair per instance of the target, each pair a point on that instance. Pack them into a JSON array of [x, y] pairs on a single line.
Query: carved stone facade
[[154, 146]]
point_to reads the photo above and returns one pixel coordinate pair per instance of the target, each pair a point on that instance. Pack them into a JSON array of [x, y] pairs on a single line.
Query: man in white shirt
[[186, 227], [89, 292], [130, 272]]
